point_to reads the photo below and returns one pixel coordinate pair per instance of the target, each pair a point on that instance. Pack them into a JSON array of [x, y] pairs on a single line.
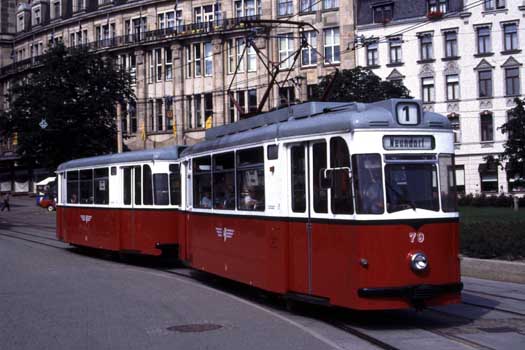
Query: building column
[[119, 128], [141, 93], [178, 93], [219, 110]]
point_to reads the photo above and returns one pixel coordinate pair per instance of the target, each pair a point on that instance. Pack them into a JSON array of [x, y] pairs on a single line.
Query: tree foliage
[[514, 147], [76, 93], [359, 85]]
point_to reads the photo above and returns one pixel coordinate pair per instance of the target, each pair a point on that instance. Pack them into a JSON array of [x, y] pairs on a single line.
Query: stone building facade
[[183, 55], [464, 59]]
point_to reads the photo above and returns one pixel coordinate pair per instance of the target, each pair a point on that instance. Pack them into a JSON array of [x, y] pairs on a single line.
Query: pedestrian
[[5, 201]]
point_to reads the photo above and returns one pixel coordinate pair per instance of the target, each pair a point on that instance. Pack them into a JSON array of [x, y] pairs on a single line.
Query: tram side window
[[160, 185], [72, 186], [127, 185], [86, 186], [175, 184], [101, 186], [138, 185], [319, 165], [224, 181], [447, 181], [368, 181], [341, 193], [202, 182], [148, 186], [298, 180], [250, 179]]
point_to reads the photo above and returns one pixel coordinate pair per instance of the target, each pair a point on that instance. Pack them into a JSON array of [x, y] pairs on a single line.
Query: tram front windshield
[[410, 182]]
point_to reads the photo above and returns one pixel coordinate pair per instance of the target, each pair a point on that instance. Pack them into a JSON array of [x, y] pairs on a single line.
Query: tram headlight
[[418, 262]]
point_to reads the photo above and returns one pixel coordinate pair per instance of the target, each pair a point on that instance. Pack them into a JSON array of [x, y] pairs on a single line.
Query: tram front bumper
[[417, 292]]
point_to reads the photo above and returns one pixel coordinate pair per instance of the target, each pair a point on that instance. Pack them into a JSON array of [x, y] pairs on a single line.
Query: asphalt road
[[53, 296]]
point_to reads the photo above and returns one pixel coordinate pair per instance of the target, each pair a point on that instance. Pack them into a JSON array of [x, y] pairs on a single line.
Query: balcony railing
[[179, 31]]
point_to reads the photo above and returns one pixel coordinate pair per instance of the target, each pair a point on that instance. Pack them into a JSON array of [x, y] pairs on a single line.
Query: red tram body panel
[[350, 205]]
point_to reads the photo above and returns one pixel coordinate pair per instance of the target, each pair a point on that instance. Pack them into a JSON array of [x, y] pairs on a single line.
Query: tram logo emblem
[[224, 233], [86, 218]]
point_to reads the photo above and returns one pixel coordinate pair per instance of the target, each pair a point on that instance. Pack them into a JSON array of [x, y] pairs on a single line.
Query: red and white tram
[[346, 204]]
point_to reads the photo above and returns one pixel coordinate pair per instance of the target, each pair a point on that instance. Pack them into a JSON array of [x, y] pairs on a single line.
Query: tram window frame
[[72, 183], [447, 176], [319, 164], [126, 184], [298, 195], [366, 194], [113, 170], [101, 192], [224, 193], [85, 186], [161, 194], [147, 185], [138, 184], [250, 192], [202, 182], [175, 184], [339, 203]]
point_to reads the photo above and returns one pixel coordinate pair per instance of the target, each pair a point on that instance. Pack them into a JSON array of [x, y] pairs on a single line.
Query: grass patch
[[488, 232]]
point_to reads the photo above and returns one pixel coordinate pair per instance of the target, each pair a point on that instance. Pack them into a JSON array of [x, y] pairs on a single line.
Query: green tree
[[359, 85], [76, 93], [514, 147]]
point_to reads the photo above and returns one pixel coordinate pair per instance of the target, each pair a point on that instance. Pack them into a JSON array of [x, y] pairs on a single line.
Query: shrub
[[493, 239]]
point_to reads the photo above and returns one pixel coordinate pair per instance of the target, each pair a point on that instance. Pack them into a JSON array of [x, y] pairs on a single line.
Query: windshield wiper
[[400, 196]]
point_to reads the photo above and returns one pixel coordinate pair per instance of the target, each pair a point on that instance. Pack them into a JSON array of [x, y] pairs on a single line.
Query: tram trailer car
[[123, 202], [345, 204]]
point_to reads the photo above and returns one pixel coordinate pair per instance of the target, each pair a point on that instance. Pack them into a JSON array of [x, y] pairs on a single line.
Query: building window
[[168, 63], [437, 6], [427, 87], [484, 42], [245, 8], [198, 111], [308, 6], [383, 14], [485, 83], [488, 173], [197, 59], [452, 87], [240, 46], [169, 113], [329, 4], [510, 31], [372, 55], [456, 127], [284, 7], [516, 177], [21, 23], [158, 113], [308, 53], [55, 10], [158, 63], [252, 59], [494, 5], [512, 81], [208, 59], [395, 50], [451, 44], [37, 19], [252, 101], [79, 5], [189, 112], [231, 56], [427, 52], [208, 108], [286, 96], [286, 49], [189, 62], [487, 127], [332, 51]]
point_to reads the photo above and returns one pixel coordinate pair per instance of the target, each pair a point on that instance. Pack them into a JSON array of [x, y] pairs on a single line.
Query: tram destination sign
[[408, 142]]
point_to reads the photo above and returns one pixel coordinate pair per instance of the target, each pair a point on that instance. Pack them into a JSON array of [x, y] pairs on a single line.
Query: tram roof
[[313, 118], [165, 153]]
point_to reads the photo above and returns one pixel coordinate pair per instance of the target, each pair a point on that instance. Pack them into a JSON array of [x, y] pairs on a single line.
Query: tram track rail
[[349, 328]]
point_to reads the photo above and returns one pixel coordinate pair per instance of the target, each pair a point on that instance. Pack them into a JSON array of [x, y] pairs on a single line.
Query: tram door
[[132, 195], [306, 159]]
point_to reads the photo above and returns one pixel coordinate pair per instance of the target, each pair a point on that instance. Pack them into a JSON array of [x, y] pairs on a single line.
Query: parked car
[[48, 203]]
